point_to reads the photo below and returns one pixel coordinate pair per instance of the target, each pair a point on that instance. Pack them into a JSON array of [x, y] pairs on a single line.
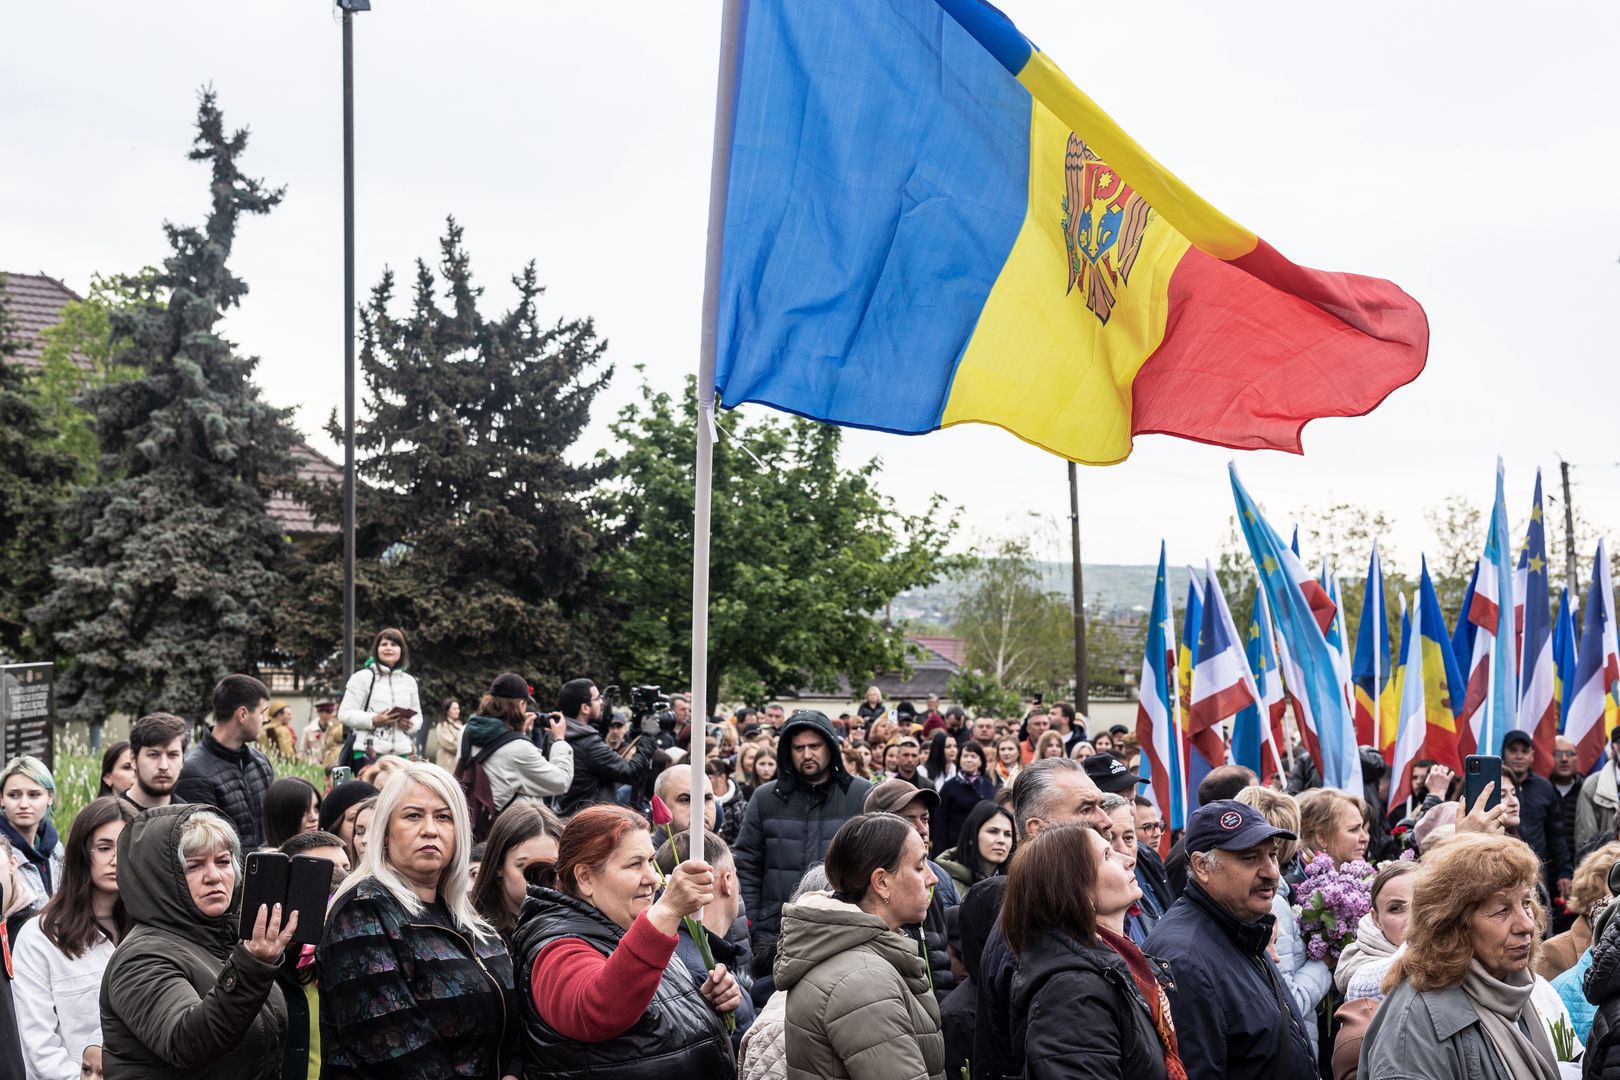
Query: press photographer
[[598, 771]]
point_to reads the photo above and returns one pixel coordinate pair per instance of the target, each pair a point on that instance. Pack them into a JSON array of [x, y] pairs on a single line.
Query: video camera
[[646, 701]]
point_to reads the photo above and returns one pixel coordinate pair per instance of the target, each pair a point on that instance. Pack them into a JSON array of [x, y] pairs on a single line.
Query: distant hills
[[1109, 586]]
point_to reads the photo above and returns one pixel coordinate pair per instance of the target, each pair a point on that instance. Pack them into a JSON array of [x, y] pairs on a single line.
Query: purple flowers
[[1336, 899]]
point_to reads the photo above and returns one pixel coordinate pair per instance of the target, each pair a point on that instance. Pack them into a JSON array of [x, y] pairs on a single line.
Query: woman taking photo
[[859, 1000], [414, 982], [371, 698], [524, 838], [600, 994], [984, 845], [1083, 992], [59, 956], [291, 806], [181, 995], [961, 793], [1459, 995], [27, 792], [497, 737]]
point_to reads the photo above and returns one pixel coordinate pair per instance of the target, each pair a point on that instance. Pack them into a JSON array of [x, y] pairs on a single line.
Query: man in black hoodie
[[598, 769], [790, 821]]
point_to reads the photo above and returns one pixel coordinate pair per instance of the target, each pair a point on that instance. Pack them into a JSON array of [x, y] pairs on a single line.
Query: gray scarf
[[1505, 1014]]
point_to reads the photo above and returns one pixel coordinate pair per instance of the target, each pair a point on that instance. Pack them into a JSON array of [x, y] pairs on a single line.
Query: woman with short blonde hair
[[1459, 995], [1588, 894], [414, 982]]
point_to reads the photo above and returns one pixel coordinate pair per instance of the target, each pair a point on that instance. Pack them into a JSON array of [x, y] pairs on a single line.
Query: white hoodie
[[372, 690]]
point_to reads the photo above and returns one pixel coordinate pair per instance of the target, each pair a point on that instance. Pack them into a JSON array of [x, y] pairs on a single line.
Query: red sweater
[[589, 997]]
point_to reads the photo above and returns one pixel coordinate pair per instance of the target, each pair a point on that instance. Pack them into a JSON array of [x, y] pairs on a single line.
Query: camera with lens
[[650, 701]]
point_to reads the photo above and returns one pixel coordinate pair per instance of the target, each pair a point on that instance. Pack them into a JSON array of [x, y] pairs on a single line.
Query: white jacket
[[386, 689], [1307, 980], [519, 770], [58, 1003]]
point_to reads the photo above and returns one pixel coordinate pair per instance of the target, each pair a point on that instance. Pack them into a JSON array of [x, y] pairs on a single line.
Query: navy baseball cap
[[1230, 826], [1517, 736]]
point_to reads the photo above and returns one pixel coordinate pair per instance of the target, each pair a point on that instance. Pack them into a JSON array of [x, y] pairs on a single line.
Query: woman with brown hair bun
[[1083, 992], [1459, 995], [859, 1001]]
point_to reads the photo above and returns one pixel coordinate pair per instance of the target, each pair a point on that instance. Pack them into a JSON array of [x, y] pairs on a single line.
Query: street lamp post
[[349, 7]]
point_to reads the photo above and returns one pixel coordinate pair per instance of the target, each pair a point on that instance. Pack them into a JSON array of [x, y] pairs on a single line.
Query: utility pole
[[1082, 682], [349, 8], [1569, 540]]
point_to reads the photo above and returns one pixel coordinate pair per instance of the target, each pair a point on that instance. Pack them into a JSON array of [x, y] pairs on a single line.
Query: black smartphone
[[1479, 770], [310, 882], [266, 884]]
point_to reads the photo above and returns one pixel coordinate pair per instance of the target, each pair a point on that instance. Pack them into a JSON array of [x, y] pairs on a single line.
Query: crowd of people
[[893, 893]]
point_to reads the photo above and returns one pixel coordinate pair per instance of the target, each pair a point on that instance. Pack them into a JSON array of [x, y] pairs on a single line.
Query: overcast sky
[[1466, 151]]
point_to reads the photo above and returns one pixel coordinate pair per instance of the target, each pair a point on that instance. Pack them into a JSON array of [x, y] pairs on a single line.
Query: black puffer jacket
[[788, 825], [599, 770], [1601, 985], [679, 1037], [935, 938], [1077, 1012], [231, 781]]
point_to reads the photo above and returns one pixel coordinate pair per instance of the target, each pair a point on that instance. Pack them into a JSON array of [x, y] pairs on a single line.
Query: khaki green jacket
[[859, 1004]]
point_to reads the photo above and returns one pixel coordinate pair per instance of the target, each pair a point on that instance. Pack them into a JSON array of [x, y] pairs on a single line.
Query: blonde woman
[[1333, 823], [414, 982]]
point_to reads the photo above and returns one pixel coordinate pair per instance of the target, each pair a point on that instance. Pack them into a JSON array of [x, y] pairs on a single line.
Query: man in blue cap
[[1234, 1015]]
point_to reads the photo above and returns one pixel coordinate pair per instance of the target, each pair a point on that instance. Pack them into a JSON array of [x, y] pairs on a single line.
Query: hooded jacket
[[181, 996], [1077, 1013], [231, 781], [858, 1000], [789, 824], [598, 768], [517, 770], [1601, 985], [1234, 1016], [39, 865]]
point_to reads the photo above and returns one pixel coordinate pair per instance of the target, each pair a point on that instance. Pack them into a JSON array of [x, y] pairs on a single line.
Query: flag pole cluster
[[1215, 696]]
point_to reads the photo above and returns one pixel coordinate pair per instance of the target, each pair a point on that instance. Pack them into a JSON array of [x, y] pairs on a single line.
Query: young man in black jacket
[[225, 770], [598, 769]]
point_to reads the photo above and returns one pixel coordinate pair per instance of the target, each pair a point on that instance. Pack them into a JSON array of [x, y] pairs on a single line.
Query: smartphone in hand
[[1479, 770], [265, 885]]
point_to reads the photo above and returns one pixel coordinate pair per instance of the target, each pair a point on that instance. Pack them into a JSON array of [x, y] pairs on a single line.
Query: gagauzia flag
[[1592, 708], [928, 224], [1258, 737], [1155, 710], [1222, 685], [1491, 704], [1303, 612], [1538, 699]]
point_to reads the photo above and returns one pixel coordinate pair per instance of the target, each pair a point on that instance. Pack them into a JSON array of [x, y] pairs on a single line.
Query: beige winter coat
[[859, 1003]]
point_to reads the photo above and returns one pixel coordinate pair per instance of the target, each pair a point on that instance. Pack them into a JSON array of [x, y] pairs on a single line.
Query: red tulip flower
[[660, 813]]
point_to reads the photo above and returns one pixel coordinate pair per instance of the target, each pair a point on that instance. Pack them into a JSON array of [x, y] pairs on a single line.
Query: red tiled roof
[[953, 649], [36, 304], [294, 516]]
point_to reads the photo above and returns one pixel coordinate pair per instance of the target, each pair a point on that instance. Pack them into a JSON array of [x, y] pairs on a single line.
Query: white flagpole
[[1380, 628], [719, 174]]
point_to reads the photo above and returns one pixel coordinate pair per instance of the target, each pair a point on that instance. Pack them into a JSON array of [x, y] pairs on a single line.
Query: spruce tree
[[34, 477], [477, 535], [174, 567]]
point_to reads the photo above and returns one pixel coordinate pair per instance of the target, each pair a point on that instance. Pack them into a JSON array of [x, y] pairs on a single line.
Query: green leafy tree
[[173, 566], [980, 695], [77, 354], [805, 554], [1019, 635], [34, 477], [478, 534]]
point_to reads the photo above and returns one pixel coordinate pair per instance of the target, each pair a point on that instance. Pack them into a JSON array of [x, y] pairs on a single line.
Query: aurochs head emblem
[[1103, 223]]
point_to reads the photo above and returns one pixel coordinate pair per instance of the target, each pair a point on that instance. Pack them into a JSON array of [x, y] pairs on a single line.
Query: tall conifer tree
[[174, 566]]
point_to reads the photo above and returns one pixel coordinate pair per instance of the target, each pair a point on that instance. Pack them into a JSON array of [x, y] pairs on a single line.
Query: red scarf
[[1158, 1003]]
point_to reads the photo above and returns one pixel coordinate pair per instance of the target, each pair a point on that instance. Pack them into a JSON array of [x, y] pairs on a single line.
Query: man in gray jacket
[[790, 821]]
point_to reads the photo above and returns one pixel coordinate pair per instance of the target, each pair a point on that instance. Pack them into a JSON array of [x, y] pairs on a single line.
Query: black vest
[[678, 1037]]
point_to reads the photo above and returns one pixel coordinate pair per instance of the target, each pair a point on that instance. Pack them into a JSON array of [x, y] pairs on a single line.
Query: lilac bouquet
[[1335, 900]]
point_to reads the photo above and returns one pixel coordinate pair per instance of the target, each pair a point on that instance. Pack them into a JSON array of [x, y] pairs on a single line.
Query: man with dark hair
[[598, 770], [1066, 720], [790, 821], [1222, 782], [225, 770], [157, 743]]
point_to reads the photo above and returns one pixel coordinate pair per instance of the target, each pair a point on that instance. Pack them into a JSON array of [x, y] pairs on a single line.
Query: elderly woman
[[602, 996], [414, 982], [1459, 995], [182, 997], [859, 1001]]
